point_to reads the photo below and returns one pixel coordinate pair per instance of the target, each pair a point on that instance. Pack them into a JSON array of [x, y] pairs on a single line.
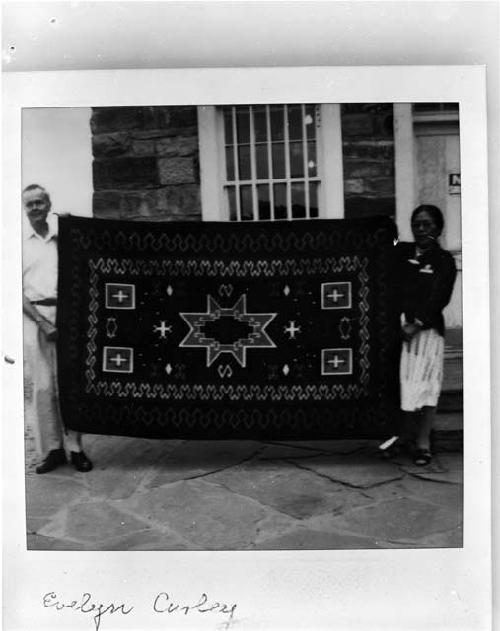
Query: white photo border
[[447, 588]]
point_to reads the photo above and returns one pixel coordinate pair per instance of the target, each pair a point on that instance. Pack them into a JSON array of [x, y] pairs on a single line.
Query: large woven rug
[[278, 330]]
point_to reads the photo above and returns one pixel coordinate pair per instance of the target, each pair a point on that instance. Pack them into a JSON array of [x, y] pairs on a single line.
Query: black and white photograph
[[254, 340], [246, 320]]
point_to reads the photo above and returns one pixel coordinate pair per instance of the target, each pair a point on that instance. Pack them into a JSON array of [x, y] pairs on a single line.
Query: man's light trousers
[[41, 360]]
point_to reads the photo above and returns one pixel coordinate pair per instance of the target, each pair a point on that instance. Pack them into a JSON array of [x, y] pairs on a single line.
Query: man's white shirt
[[40, 261]]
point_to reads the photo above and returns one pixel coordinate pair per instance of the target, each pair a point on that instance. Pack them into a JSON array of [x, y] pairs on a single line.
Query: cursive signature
[[84, 605], [163, 603]]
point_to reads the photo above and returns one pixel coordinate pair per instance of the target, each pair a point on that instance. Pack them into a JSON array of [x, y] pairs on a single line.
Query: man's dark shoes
[[80, 461], [54, 459]]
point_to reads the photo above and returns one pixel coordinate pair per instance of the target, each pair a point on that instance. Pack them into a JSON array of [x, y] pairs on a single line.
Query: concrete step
[[449, 422], [451, 399], [453, 372], [449, 431]]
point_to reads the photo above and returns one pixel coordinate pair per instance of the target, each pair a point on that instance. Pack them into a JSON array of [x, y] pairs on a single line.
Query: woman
[[425, 283]]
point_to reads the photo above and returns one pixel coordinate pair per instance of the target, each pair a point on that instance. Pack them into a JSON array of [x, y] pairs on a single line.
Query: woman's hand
[[409, 330]]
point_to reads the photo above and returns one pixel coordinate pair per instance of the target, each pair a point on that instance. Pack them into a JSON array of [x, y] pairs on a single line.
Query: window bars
[[271, 162]]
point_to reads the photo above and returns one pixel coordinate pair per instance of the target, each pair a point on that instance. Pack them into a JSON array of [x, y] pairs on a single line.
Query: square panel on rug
[[282, 330]]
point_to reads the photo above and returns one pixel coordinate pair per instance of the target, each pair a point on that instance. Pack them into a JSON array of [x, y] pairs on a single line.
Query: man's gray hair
[[33, 187]]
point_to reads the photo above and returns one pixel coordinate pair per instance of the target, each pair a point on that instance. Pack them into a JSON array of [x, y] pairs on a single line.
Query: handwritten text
[[84, 605], [163, 603]]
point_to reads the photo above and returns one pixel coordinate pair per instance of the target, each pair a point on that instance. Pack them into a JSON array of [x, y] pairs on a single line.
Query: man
[[39, 306]]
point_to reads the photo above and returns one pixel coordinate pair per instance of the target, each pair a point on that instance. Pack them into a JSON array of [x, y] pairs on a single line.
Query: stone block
[[368, 169], [147, 539], [184, 116], [112, 484], [380, 150], [373, 120], [453, 538], [354, 186], [142, 148], [269, 483], [357, 125], [140, 205], [177, 146], [345, 446], [107, 204], [444, 468], [281, 452], [435, 491], [380, 186], [401, 520], [196, 217], [38, 542], [91, 523], [207, 515], [310, 539], [196, 458], [166, 132], [364, 108], [179, 201], [369, 124], [34, 524], [108, 119], [383, 124], [367, 206], [369, 187], [127, 454], [177, 171], [45, 495], [125, 173], [356, 471], [110, 145]]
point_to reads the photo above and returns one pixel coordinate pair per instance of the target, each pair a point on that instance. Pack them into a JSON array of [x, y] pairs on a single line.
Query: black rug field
[[276, 330]]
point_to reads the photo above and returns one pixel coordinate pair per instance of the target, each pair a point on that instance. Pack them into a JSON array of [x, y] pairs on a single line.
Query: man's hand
[[48, 329]]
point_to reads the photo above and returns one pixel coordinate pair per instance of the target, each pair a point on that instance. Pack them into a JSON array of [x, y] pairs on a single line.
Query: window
[[435, 107], [270, 162], [435, 113], [271, 169]]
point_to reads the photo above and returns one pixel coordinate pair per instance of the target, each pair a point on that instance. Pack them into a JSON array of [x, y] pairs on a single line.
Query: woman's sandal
[[422, 457], [394, 448]]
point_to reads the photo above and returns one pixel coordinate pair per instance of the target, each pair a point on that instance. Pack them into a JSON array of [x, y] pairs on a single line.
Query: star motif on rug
[[256, 324]]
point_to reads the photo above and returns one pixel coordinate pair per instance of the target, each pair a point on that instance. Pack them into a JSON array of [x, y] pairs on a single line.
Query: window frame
[[212, 163]]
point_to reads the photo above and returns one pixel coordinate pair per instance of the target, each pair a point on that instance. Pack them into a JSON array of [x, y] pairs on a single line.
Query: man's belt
[[46, 302]]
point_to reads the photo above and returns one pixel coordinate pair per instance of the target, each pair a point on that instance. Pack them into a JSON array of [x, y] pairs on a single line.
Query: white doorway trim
[[332, 171], [212, 201], [404, 164]]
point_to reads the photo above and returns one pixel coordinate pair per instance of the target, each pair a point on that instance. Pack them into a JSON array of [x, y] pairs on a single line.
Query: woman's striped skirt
[[421, 370]]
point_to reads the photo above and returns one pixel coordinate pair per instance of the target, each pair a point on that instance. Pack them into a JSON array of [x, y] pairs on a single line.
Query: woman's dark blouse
[[424, 284]]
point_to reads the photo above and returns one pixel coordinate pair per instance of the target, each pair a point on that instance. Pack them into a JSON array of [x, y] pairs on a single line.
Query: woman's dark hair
[[434, 212]]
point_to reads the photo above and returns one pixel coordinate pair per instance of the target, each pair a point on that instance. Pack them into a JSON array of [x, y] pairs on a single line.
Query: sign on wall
[[454, 183]]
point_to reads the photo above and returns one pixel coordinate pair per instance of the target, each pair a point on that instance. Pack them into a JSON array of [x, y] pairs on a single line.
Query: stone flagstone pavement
[[247, 495]]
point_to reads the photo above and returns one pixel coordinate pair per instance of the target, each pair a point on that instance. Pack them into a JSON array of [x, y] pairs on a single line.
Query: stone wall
[[146, 163], [368, 159]]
